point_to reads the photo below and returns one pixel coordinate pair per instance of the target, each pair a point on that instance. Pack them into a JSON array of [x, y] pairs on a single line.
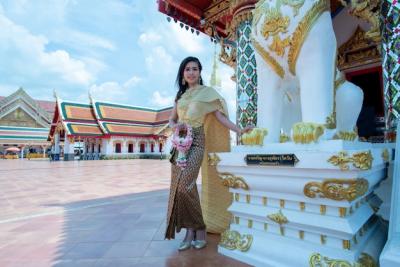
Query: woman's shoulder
[[208, 90]]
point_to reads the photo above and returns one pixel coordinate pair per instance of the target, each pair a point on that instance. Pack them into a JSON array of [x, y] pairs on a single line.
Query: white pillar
[[57, 143], [137, 145], [22, 152], [69, 147], [124, 147], [390, 255]]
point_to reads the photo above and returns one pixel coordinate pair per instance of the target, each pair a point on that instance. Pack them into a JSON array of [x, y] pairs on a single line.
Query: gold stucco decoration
[[254, 137], [317, 260], [233, 240], [361, 160], [385, 155], [278, 217], [274, 23], [283, 138], [347, 136], [276, 67], [233, 181], [367, 10], [213, 159], [278, 45], [305, 132], [337, 189]]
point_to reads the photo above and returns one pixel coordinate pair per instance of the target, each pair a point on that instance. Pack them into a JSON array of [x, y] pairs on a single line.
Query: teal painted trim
[[13, 128], [98, 104], [23, 137], [124, 124]]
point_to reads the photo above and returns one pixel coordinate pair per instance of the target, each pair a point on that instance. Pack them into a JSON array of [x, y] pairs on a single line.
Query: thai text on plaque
[[289, 160]]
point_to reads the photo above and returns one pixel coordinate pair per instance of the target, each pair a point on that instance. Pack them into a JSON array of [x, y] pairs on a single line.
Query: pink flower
[[182, 141]]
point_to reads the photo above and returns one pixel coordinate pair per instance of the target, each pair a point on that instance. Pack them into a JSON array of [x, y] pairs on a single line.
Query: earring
[[183, 81]]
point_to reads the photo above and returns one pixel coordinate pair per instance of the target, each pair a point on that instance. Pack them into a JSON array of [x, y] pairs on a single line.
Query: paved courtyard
[[91, 213]]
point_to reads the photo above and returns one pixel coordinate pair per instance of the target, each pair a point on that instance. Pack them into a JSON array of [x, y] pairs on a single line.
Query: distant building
[[25, 123], [107, 130]]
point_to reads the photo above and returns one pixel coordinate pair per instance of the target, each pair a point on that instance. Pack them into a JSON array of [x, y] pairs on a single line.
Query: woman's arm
[[173, 119], [227, 123]]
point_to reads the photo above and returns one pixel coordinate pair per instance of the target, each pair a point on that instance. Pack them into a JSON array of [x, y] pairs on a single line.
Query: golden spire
[[215, 80]]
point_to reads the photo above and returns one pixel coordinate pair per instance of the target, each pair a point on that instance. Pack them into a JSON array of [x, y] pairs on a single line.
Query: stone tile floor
[[91, 213]]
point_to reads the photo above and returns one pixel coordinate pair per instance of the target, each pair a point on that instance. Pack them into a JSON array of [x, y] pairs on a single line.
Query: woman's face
[[191, 73]]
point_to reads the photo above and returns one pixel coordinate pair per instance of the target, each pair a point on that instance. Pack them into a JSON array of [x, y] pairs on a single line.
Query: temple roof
[[83, 129], [77, 112], [106, 119], [200, 14], [23, 133], [129, 129], [39, 112], [124, 113]]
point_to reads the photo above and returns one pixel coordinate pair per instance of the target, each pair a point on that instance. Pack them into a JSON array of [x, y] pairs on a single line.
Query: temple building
[[367, 58], [24, 124], [103, 130]]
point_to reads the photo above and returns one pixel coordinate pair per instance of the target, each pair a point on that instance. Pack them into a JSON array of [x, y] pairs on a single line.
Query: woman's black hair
[[183, 87]]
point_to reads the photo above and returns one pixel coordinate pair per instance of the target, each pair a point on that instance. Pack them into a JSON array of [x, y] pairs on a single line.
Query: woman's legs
[[201, 234], [189, 237]]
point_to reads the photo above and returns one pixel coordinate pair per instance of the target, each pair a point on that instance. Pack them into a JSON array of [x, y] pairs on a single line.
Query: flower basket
[[182, 141]]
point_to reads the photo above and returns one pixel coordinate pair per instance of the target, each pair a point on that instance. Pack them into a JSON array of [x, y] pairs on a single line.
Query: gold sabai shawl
[[196, 107]]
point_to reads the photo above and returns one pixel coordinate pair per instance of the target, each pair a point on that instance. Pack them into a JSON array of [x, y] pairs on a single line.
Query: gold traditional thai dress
[[196, 107]]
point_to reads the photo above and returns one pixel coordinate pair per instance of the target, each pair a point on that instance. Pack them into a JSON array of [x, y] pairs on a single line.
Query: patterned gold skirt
[[184, 210]]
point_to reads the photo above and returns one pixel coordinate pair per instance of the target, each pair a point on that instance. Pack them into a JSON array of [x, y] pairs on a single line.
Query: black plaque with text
[[289, 160]]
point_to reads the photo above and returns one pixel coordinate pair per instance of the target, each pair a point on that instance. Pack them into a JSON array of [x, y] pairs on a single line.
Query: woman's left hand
[[246, 129]]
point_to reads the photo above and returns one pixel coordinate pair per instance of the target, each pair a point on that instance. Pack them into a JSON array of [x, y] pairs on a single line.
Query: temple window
[[130, 148], [118, 148], [142, 148]]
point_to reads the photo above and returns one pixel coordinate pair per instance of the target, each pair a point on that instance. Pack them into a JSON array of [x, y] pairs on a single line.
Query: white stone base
[[274, 250], [338, 229]]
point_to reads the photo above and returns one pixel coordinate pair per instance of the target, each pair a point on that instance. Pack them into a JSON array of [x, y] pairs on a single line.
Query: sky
[[121, 51]]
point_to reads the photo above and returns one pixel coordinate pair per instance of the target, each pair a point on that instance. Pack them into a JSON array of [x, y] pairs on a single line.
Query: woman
[[200, 107]]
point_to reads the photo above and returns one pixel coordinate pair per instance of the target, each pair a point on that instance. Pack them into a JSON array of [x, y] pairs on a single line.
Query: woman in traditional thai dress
[[205, 111]]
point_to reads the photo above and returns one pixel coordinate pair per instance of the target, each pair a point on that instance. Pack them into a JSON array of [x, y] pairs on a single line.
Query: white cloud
[[112, 91], [108, 91], [27, 53], [149, 37], [132, 82], [161, 99], [186, 39], [159, 58], [76, 38]]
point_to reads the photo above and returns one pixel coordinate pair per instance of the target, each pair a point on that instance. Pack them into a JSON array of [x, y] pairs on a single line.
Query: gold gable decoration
[[19, 118], [358, 50]]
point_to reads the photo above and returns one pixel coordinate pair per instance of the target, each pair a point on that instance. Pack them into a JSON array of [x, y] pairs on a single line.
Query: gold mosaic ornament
[[233, 240], [278, 217], [361, 160], [317, 260], [213, 159], [305, 133], [337, 189], [233, 181]]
